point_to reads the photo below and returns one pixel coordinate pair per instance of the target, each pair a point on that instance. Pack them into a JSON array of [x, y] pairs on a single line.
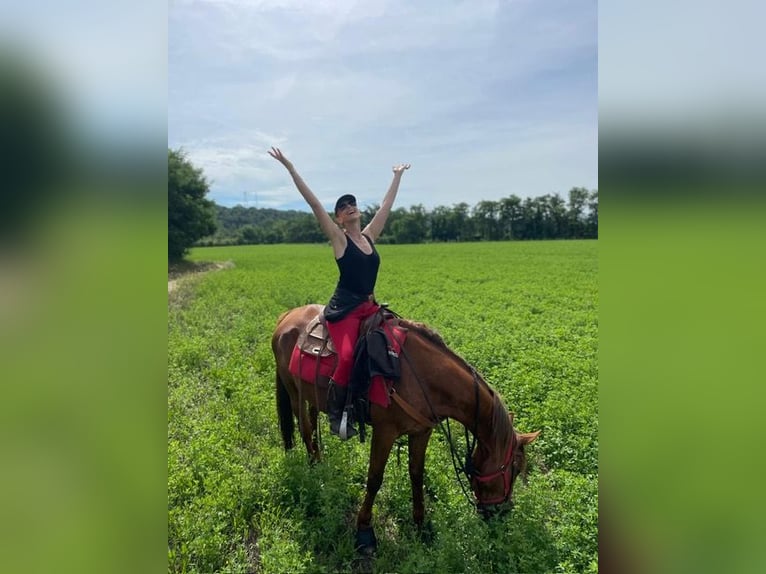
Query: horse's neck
[[476, 417], [460, 400]]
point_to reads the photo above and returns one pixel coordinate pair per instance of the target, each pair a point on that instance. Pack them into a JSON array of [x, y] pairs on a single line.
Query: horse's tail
[[285, 413]]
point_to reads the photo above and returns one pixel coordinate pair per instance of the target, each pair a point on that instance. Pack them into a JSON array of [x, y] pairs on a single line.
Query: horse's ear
[[528, 437]]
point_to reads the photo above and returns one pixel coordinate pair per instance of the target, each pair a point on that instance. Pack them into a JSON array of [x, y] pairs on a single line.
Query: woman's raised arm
[[375, 227], [330, 229]]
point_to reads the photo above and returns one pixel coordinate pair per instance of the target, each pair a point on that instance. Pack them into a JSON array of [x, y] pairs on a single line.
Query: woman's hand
[[280, 157], [399, 169]]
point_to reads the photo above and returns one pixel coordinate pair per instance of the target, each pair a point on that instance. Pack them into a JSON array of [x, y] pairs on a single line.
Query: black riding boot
[[336, 403]]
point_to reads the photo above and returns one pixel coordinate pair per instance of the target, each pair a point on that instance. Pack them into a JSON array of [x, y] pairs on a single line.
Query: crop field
[[524, 314]]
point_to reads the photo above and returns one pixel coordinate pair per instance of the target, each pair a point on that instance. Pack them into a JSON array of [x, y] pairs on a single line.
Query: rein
[[467, 469]]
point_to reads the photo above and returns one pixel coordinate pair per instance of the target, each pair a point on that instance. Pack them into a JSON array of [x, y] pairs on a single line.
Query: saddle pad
[[304, 365]]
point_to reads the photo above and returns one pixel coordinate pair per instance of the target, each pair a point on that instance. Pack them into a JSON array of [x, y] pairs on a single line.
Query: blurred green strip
[[682, 284], [83, 349]]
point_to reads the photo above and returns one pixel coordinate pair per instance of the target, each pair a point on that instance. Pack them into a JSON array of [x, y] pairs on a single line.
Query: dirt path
[[179, 271]]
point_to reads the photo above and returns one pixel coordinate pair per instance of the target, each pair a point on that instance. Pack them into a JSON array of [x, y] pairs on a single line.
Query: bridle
[[468, 468], [505, 471]]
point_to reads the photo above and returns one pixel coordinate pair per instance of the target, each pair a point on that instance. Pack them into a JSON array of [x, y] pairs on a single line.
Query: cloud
[[238, 157], [350, 88]]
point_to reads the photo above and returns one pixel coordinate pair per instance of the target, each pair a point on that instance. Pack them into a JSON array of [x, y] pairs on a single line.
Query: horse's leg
[[307, 429], [417, 454], [285, 412], [382, 441]]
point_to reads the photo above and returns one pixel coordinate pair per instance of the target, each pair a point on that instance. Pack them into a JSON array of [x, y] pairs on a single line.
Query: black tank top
[[358, 271]]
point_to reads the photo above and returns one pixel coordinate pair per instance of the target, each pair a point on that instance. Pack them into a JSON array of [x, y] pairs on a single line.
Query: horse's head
[[496, 471]]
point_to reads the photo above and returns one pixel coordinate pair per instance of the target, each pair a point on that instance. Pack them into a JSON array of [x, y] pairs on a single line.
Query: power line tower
[[246, 202]]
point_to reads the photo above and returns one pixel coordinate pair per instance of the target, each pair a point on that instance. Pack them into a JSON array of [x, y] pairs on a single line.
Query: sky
[[484, 99]]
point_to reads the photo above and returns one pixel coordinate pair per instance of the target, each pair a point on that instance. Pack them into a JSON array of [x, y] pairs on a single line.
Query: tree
[[533, 219], [556, 216], [578, 198], [190, 215], [462, 222], [304, 229], [367, 214], [441, 226], [486, 217], [545, 217], [389, 235], [410, 226], [249, 234], [591, 221], [510, 216]]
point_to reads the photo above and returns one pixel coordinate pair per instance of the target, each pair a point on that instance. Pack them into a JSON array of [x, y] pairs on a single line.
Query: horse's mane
[[502, 424], [430, 335], [502, 427]]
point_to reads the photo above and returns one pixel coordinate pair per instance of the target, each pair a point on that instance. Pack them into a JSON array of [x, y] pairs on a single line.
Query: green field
[[523, 313]]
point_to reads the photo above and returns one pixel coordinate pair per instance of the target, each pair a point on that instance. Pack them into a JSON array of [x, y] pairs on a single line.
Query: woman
[[358, 262]]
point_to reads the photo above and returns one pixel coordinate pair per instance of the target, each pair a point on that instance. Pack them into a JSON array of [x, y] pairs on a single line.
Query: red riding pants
[[344, 334]]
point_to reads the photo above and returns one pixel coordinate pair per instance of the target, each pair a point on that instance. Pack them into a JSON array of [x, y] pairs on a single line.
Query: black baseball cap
[[348, 198]]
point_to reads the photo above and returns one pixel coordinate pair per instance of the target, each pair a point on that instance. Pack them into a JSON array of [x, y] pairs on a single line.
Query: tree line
[[195, 220], [510, 218]]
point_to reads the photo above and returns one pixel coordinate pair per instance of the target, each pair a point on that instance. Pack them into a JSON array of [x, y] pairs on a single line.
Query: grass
[[524, 314]]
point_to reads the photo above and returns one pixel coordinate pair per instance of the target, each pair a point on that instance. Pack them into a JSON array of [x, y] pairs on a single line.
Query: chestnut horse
[[435, 384]]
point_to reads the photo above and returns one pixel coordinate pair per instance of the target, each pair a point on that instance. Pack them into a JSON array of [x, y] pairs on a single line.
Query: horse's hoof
[[366, 543]]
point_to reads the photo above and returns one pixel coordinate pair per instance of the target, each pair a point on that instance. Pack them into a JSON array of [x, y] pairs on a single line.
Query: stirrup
[[346, 430], [343, 431]]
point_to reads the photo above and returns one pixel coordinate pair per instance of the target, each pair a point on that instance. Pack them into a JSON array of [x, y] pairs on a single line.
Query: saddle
[[315, 339], [315, 356]]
